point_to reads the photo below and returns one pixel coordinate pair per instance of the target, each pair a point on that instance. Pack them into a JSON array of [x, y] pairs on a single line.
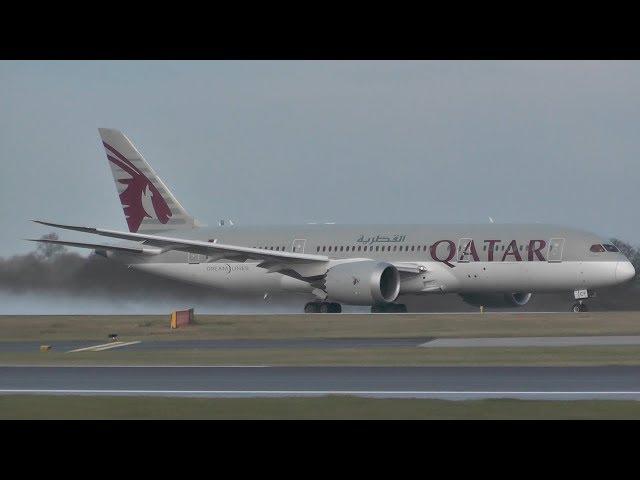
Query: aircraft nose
[[625, 271]]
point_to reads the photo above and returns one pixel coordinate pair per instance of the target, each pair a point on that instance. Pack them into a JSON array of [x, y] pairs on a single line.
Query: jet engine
[[367, 282]]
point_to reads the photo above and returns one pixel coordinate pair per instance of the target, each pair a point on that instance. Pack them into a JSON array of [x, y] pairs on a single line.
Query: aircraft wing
[[215, 251], [97, 246]]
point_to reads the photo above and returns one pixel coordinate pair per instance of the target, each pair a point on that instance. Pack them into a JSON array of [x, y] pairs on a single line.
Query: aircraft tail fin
[[149, 206]]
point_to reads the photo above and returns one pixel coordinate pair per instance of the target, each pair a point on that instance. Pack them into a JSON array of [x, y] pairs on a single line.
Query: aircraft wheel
[[578, 307], [312, 307], [325, 307], [584, 308], [335, 308]]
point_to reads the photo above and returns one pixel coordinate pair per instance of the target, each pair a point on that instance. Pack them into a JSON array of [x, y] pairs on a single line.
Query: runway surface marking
[[426, 394], [454, 383], [335, 343], [10, 365], [113, 345], [533, 341], [104, 346]]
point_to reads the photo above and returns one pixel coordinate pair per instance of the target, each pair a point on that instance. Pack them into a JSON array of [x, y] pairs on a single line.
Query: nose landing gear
[[581, 296]]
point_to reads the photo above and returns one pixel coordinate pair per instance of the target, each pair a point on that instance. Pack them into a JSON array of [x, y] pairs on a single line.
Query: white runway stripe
[[9, 365], [113, 345], [533, 341], [470, 393], [104, 346]]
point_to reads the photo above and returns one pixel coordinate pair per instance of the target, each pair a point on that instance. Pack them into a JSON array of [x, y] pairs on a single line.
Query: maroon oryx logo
[[140, 199]]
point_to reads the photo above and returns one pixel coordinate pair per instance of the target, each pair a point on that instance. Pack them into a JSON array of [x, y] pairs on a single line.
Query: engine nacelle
[[367, 282], [518, 299]]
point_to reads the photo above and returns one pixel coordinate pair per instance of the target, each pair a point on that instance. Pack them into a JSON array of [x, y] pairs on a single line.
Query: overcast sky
[[346, 142]]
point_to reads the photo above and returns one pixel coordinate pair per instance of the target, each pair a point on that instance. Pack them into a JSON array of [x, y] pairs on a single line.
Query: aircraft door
[[298, 245], [555, 250]]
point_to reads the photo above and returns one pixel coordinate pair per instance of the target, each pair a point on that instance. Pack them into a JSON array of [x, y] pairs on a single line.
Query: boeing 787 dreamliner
[[328, 265]]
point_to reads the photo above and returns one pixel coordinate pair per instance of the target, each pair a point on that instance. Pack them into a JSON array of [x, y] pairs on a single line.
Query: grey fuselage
[[500, 258]]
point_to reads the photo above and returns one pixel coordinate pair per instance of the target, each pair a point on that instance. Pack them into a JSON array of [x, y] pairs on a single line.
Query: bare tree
[[49, 250]]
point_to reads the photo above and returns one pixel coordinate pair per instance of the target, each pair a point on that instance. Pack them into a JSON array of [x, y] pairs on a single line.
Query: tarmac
[[453, 383], [332, 343]]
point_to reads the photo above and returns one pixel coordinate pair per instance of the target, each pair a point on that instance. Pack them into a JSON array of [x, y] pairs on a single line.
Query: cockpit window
[[610, 248], [597, 248]]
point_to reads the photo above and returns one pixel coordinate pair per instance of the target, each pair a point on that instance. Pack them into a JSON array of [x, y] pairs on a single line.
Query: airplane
[[332, 265]]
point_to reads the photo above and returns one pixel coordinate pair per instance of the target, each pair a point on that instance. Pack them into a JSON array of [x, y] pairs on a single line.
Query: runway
[[69, 345], [602, 340], [329, 343], [456, 383]]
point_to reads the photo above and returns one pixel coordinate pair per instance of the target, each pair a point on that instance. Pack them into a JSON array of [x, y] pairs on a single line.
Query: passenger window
[[610, 248], [377, 248], [359, 247]]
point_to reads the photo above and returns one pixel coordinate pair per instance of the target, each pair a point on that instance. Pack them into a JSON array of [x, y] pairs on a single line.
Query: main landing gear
[[322, 307], [389, 308], [332, 307]]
